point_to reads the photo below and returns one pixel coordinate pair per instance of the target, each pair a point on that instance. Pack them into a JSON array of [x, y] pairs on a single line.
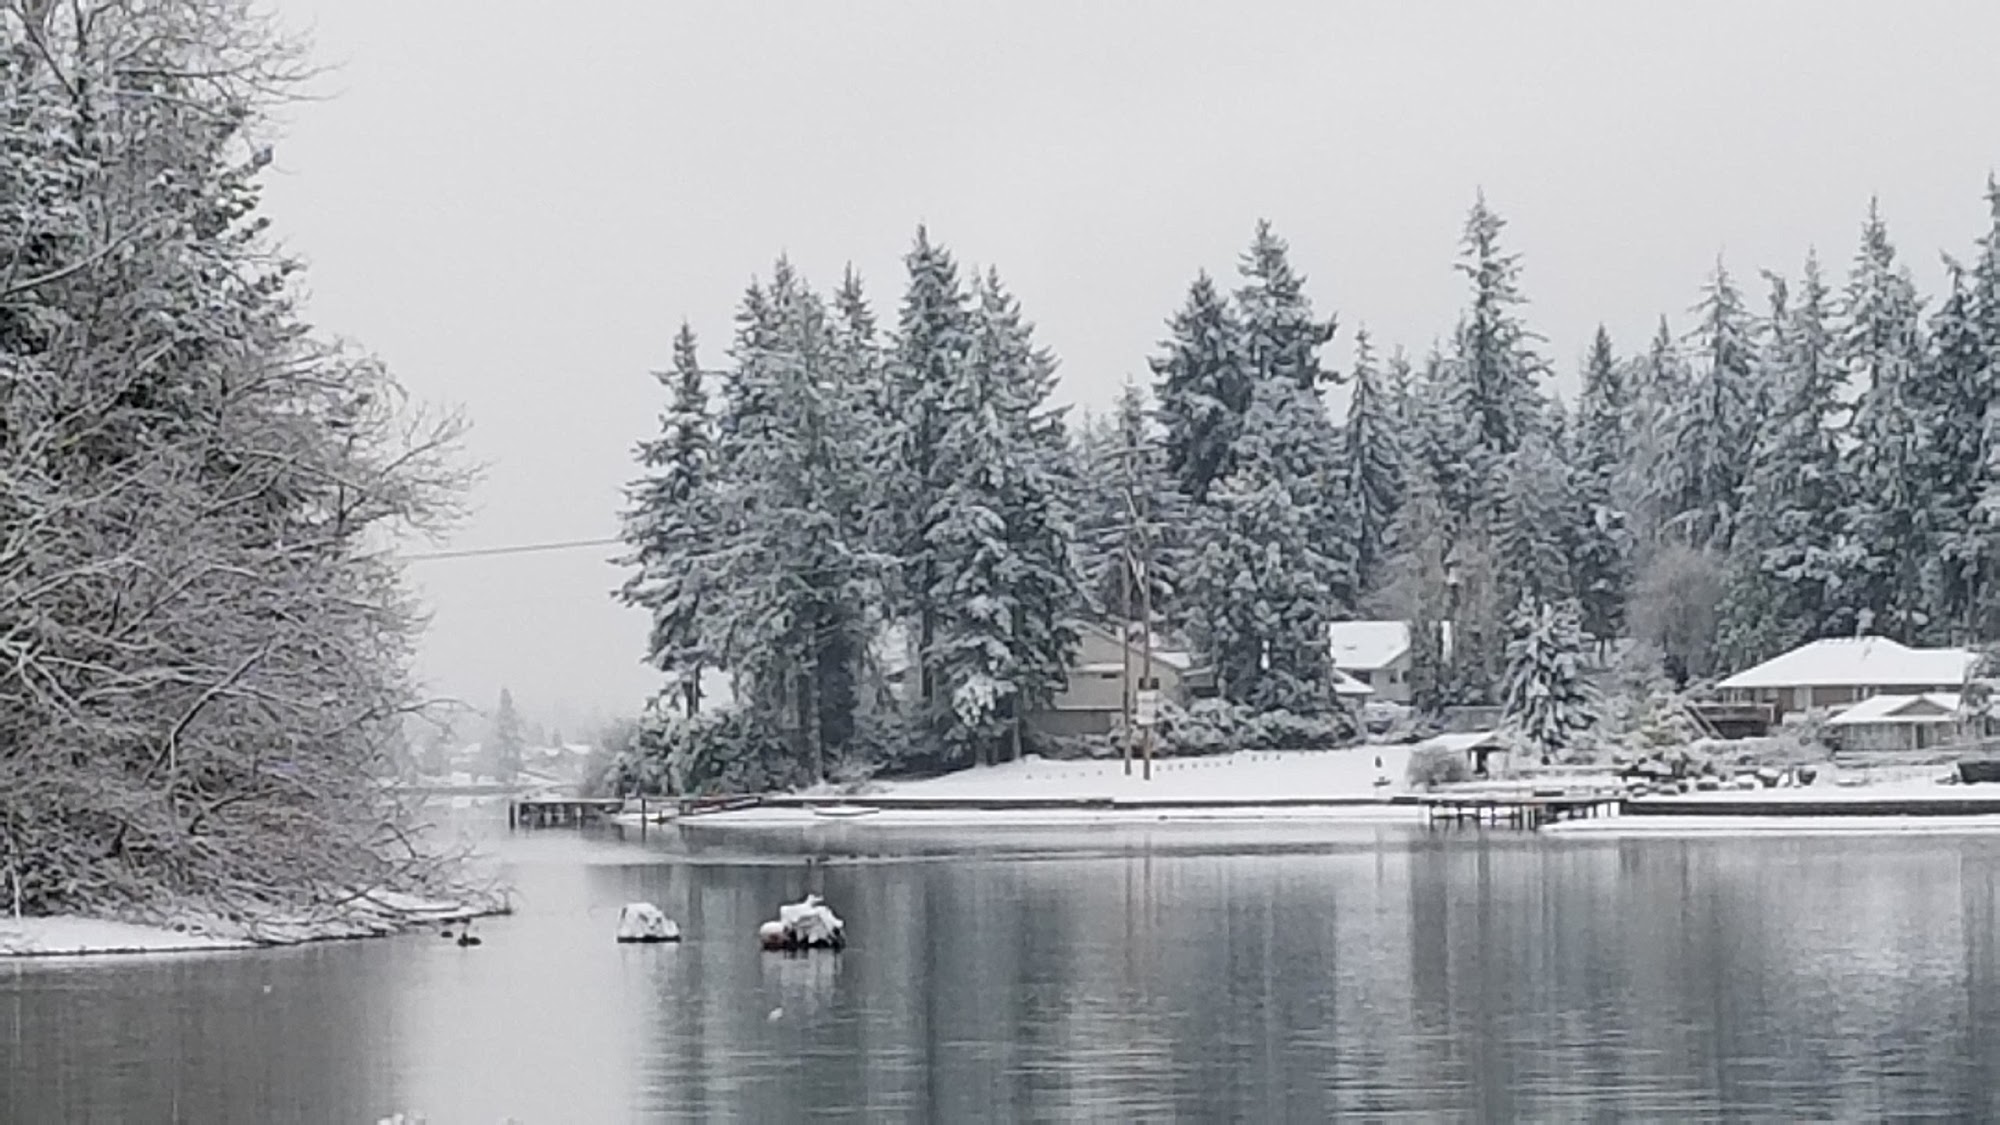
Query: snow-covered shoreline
[[382, 913]]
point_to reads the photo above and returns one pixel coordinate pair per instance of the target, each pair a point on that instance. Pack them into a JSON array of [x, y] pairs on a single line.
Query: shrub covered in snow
[[1434, 765]]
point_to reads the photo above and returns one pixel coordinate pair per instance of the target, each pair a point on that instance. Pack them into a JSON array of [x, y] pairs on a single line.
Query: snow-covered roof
[[1344, 684], [1931, 707], [1858, 662], [1166, 651], [1459, 743], [1368, 645]]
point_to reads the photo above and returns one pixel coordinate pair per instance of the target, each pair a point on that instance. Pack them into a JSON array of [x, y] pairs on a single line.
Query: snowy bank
[[1682, 827], [69, 935], [1315, 784], [373, 913], [1239, 813], [1248, 776]]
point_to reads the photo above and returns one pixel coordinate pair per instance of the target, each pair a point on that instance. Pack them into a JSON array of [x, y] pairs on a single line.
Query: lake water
[[1282, 973]]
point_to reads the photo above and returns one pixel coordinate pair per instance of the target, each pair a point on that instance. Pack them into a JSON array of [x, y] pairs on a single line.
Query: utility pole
[[1139, 568], [1125, 584]]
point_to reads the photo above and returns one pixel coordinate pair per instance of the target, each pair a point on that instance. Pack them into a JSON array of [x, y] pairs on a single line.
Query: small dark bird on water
[[465, 936]]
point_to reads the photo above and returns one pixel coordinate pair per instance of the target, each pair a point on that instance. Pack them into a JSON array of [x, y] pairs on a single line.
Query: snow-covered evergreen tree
[[1373, 460], [1602, 451], [1787, 558], [1496, 368], [1281, 342], [1713, 430], [1537, 522], [1659, 387], [794, 615], [670, 527], [933, 336], [1260, 594], [1984, 299], [1006, 590], [1550, 703], [1124, 490], [1893, 522], [505, 740], [1203, 389], [1956, 391]]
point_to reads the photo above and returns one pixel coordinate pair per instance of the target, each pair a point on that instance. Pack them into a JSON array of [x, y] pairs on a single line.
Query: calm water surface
[[1282, 973]]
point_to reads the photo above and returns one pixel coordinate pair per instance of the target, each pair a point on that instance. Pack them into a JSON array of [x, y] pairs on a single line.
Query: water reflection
[[1295, 973]]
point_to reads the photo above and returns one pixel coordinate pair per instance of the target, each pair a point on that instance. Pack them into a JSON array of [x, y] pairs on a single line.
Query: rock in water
[[810, 922], [642, 921], [771, 935]]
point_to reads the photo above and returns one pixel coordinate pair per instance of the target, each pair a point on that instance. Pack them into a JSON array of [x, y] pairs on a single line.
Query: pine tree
[[1281, 343], [1203, 389], [1956, 394], [1261, 599], [1647, 489], [933, 336], [1549, 701], [669, 527], [504, 756], [1373, 460], [1536, 523], [1786, 563], [1281, 337], [1124, 490], [1422, 549], [1604, 447], [1984, 312], [1893, 522], [1001, 537], [1712, 433], [793, 619], [1496, 367]]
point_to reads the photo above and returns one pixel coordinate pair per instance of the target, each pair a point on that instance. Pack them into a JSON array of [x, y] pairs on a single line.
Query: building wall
[[1391, 683], [1791, 699], [1072, 724], [1900, 736], [1100, 695]]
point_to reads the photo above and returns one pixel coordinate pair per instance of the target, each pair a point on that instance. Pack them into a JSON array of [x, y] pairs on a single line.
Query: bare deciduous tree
[[203, 636]]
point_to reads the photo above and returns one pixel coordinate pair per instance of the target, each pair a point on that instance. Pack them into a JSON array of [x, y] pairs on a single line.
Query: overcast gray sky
[[514, 202]]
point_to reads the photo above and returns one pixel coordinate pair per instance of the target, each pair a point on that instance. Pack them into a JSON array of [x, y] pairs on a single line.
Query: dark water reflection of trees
[[1283, 975]]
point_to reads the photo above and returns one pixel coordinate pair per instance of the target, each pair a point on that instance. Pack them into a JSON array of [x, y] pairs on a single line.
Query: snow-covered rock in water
[[642, 921], [808, 922], [771, 935]]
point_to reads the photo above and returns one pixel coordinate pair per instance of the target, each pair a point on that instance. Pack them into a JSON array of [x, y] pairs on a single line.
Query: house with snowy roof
[[1904, 722], [1375, 654], [1838, 673], [1093, 696]]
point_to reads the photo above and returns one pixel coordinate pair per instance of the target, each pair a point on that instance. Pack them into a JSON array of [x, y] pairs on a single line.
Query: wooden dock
[[1528, 810], [545, 812]]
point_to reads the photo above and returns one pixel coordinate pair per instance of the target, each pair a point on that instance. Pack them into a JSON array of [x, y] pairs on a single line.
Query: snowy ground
[[1241, 785], [1910, 789], [1641, 827], [1336, 774], [70, 935]]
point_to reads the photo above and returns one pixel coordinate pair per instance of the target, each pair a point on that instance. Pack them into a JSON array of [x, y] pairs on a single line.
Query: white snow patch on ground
[[1238, 782], [1907, 790], [71, 935], [1249, 776], [1641, 827], [1246, 814]]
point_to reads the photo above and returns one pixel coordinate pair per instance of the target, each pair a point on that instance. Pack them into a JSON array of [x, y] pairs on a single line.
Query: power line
[[516, 549]]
